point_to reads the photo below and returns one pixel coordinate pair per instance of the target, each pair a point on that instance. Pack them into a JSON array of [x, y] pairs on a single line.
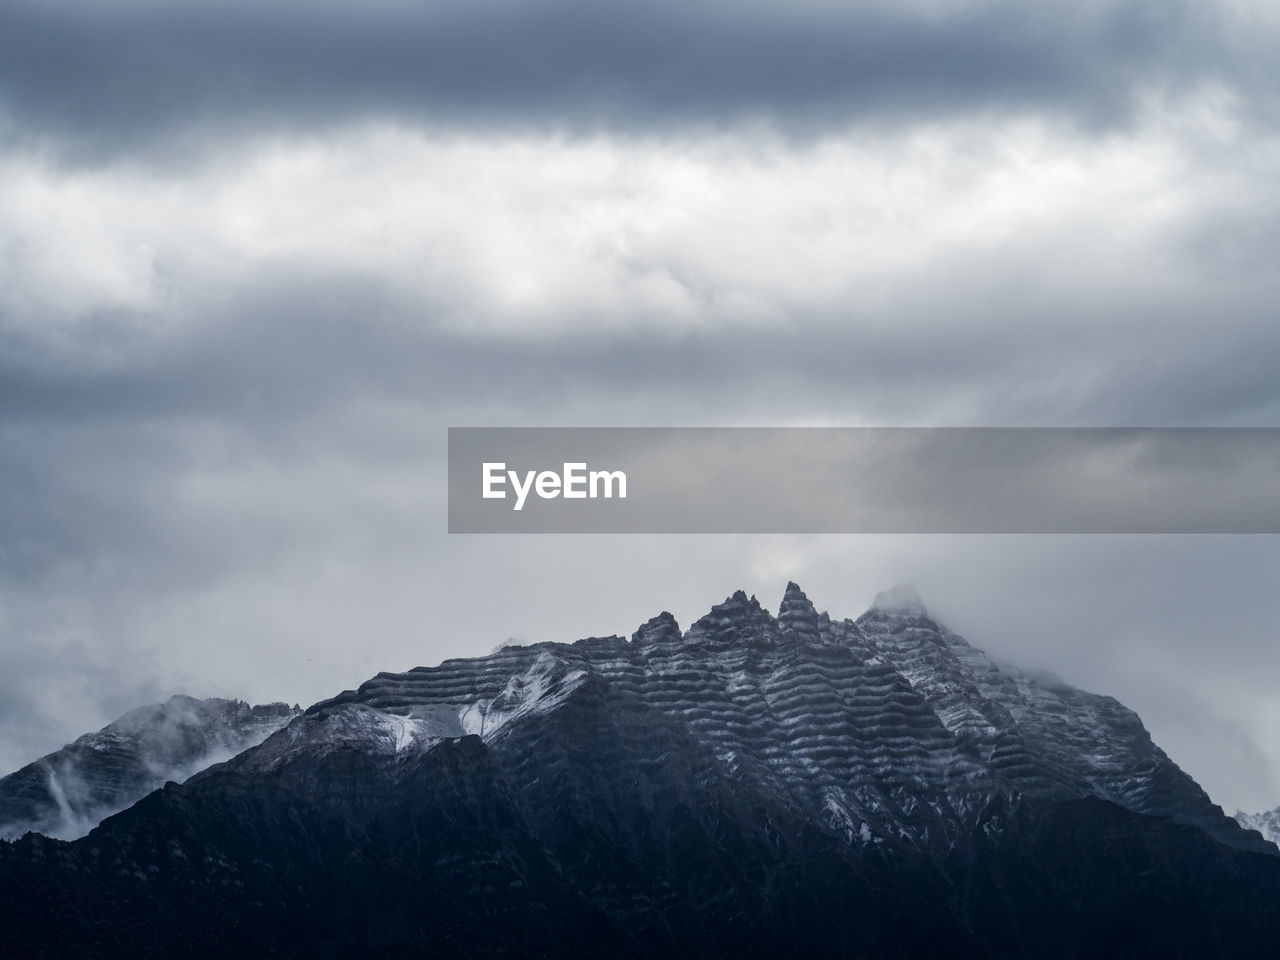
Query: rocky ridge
[[887, 725], [67, 793], [754, 786]]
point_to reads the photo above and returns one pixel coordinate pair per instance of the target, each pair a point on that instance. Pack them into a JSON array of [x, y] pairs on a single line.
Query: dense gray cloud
[[255, 260], [103, 78]]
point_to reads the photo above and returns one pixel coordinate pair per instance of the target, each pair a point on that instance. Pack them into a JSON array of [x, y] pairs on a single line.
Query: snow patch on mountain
[[540, 688], [404, 728]]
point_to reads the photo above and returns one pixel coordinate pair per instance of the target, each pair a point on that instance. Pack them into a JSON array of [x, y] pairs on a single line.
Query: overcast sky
[[256, 257]]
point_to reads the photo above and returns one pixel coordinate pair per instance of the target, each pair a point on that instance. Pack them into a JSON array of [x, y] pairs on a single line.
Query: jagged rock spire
[[737, 620], [797, 615]]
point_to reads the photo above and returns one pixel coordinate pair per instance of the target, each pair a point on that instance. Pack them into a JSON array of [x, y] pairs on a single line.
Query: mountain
[[68, 792], [1267, 824], [755, 786]]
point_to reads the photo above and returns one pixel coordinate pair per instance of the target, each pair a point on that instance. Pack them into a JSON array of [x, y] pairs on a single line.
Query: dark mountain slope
[[756, 787]]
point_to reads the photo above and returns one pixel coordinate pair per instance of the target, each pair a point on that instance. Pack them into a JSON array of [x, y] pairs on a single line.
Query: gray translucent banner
[[864, 480]]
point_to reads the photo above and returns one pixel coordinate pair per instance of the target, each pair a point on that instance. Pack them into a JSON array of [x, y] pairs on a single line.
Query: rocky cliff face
[[753, 786], [67, 793]]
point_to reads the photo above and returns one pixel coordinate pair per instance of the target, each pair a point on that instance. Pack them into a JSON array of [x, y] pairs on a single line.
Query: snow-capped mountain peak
[[890, 724]]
